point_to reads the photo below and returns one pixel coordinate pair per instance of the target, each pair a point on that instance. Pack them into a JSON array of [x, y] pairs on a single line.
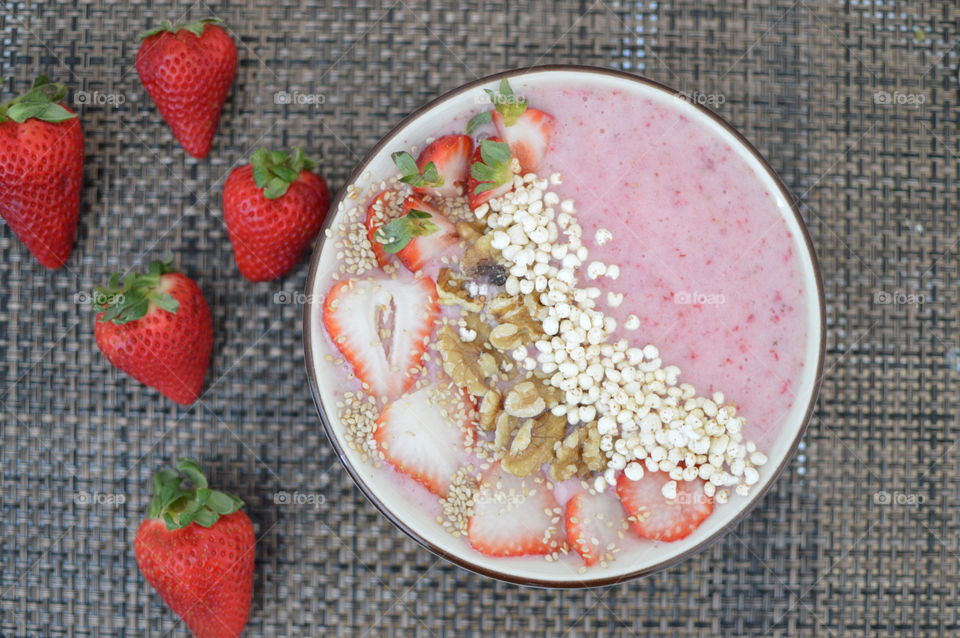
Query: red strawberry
[[41, 171], [514, 516], [490, 172], [380, 325], [594, 523], [528, 131], [196, 548], [188, 70], [157, 328], [423, 248], [273, 208], [528, 137], [652, 516], [379, 212], [424, 435], [450, 155]]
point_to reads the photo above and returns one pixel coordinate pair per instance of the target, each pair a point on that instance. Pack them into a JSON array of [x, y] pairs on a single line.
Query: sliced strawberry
[[514, 516], [502, 188], [451, 155], [595, 523], [380, 325], [425, 434], [652, 516], [528, 137], [379, 212], [425, 248]]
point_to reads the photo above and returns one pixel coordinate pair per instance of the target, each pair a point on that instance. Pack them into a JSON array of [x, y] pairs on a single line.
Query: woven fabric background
[[853, 101]]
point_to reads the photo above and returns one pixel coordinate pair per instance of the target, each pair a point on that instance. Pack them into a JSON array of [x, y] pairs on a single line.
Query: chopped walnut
[[521, 312], [505, 336], [524, 401], [533, 444], [451, 292], [464, 362], [489, 409]]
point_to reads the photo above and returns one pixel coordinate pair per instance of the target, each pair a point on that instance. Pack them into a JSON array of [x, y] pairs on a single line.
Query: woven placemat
[[853, 102]]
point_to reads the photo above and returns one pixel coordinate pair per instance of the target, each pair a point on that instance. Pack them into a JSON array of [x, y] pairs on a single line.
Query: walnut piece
[[451, 292], [464, 362], [489, 409], [524, 401], [533, 444], [505, 337]]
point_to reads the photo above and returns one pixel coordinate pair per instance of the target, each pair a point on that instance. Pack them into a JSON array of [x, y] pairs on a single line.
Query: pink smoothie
[[707, 262]]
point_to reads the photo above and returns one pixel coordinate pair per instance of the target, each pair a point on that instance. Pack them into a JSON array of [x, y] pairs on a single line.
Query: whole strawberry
[[157, 328], [188, 70], [41, 171], [273, 207], [196, 548]]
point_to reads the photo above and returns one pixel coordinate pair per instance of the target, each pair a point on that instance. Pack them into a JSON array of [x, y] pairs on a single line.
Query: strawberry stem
[[275, 171], [510, 105], [181, 496], [196, 28], [130, 297], [41, 102], [494, 168]]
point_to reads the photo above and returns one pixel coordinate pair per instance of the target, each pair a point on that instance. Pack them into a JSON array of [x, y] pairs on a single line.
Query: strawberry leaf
[[396, 235], [129, 298], [275, 171], [411, 174], [41, 102], [196, 28], [478, 120], [510, 105], [181, 497], [494, 168]]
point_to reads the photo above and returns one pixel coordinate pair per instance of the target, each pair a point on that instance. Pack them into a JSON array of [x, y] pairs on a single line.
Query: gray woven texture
[[858, 538]]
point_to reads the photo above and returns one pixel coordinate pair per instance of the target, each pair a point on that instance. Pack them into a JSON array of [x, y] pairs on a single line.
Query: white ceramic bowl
[[390, 499]]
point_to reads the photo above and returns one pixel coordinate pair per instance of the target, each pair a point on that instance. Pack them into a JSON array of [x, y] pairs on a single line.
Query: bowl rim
[[461, 561]]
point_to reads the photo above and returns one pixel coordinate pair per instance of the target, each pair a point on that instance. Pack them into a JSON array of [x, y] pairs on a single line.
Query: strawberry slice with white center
[[595, 525], [490, 172], [424, 248], [380, 326], [515, 516], [528, 136], [424, 435], [450, 155], [651, 515], [380, 212]]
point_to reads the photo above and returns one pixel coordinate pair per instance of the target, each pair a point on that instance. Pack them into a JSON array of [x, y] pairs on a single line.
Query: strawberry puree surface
[[707, 262]]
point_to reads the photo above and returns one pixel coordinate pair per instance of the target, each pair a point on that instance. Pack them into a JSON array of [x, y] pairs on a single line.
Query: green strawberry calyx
[[181, 496], [129, 297], [508, 104], [275, 171], [41, 102], [411, 174], [398, 233], [196, 28], [494, 170]]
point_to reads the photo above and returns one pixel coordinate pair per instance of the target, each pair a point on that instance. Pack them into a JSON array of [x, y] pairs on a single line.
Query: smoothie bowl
[[564, 327]]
